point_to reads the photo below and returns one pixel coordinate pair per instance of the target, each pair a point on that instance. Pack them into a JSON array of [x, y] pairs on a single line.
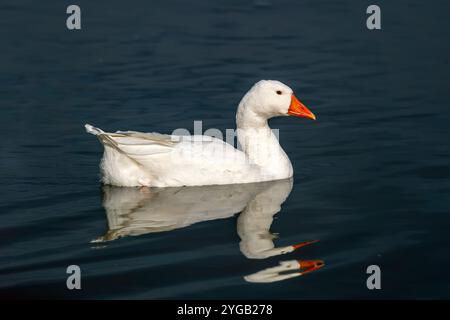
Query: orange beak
[[298, 109], [310, 265]]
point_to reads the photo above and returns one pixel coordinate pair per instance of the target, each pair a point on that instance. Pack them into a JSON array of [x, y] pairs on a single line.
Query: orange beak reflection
[[298, 109]]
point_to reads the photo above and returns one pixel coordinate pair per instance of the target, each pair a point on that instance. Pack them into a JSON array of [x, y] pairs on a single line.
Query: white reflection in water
[[137, 211]]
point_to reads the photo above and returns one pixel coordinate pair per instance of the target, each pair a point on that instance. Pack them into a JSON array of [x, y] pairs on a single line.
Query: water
[[371, 174]]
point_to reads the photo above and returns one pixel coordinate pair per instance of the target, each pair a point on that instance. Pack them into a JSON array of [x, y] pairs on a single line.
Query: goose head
[[271, 98]]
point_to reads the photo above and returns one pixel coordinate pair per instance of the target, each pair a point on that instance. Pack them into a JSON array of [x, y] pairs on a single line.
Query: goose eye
[[279, 92]]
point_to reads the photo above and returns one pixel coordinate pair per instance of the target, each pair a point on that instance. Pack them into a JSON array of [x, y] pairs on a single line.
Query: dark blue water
[[372, 174]]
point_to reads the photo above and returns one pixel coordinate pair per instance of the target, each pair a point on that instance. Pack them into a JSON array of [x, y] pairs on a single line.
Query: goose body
[[150, 159]]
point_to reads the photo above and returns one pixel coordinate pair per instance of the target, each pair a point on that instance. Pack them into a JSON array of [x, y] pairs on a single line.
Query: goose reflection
[[137, 211]]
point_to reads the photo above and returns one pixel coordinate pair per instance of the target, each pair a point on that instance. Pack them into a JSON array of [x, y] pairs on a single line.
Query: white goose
[[155, 160]]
